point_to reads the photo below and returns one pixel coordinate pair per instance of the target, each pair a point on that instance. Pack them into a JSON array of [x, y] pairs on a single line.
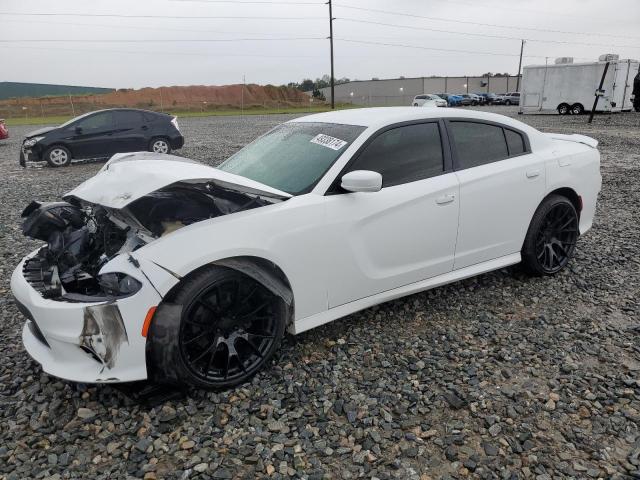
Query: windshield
[[69, 122], [293, 156]]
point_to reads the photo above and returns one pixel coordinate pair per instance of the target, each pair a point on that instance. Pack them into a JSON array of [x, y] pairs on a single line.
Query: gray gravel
[[499, 376]]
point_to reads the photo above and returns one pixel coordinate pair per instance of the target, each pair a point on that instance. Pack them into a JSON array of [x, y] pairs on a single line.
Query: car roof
[[382, 116], [126, 109]]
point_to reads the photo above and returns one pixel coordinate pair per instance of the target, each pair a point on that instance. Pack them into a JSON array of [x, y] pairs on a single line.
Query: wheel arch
[[260, 269], [160, 136], [566, 192], [570, 194], [58, 143]]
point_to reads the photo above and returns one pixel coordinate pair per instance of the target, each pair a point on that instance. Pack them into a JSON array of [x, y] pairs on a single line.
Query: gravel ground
[[499, 376]]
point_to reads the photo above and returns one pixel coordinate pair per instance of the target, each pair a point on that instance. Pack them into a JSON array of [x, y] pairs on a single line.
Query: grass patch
[[59, 119]]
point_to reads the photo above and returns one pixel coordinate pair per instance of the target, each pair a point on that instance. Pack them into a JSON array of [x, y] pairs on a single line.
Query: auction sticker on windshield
[[328, 141]]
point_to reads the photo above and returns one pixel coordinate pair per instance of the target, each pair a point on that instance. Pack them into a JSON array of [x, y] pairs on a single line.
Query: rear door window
[[128, 117], [478, 143]]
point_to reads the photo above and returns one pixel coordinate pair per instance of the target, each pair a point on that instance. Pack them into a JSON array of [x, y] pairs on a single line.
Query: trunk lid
[[128, 177]]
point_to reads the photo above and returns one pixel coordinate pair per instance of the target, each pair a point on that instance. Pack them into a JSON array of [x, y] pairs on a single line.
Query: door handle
[[444, 199], [533, 173]]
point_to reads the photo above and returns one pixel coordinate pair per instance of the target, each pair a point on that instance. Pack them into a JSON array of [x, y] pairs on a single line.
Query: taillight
[[174, 122]]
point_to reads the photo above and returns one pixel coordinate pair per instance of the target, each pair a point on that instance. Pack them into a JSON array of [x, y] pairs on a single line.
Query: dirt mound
[[197, 97]]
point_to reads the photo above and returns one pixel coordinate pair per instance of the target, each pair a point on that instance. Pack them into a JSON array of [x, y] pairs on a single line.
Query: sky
[[139, 43]]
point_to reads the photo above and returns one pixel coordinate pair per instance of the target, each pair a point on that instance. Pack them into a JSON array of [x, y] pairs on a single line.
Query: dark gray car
[[100, 134]]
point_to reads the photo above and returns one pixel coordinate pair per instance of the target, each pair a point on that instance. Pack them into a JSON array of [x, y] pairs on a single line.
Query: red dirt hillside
[[197, 97]]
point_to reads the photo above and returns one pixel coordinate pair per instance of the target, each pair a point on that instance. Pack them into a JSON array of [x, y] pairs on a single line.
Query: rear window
[[515, 142]]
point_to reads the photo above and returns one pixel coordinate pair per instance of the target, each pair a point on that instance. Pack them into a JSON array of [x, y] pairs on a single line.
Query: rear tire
[[551, 239], [160, 145], [563, 108], [577, 109], [507, 103], [58, 156], [228, 328]]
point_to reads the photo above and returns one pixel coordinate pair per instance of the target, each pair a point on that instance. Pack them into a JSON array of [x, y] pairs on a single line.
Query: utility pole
[[242, 96], [73, 109], [333, 98], [519, 67]]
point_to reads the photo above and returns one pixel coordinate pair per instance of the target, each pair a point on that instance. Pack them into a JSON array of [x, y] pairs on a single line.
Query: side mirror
[[78, 130], [362, 181]]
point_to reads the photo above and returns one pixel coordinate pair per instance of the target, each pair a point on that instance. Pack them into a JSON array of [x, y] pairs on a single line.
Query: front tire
[[229, 327], [160, 145], [508, 103], [551, 239], [58, 156]]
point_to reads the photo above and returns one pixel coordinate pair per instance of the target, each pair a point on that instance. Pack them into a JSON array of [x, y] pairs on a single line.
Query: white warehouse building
[[400, 91]]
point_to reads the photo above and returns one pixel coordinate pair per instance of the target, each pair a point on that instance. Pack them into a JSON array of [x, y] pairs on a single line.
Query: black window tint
[[99, 121], [515, 142], [404, 154], [421, 97], [478, 143], [128, 118]]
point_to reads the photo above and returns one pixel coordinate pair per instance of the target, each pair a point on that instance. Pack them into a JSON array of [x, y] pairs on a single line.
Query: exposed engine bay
[[82, 237]]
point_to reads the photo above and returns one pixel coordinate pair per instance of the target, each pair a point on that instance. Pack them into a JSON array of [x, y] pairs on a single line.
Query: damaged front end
[[102, 291], [82, 237]]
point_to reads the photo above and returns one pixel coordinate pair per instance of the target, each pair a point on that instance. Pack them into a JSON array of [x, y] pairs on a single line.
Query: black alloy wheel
[[217, 330], [552, 236], [228, 330]]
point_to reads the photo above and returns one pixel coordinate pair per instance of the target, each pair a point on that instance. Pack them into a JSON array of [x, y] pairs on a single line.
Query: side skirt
[[366, 302]]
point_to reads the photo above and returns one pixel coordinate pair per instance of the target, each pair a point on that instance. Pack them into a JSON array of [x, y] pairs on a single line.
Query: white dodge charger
[[160, 267]]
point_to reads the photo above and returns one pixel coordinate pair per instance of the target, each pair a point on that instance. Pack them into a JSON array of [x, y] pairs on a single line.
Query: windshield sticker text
[[328, 141]]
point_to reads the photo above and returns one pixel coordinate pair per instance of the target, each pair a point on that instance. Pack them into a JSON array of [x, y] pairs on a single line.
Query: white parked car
[[160, 267], [429, 100]]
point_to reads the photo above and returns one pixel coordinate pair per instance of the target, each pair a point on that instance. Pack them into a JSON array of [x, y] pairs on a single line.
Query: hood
[[40, 131], [128, 177]]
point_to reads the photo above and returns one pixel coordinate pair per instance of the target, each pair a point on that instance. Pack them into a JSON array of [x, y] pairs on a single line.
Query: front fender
[[288, 234]]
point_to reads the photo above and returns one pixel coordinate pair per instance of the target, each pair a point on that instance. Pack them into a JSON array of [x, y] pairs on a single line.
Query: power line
[[466, 22], [419, 47], [510, 8], [487, 35], [148, 52], [172, 17], [140, 27], [251, 2], [161, 40]]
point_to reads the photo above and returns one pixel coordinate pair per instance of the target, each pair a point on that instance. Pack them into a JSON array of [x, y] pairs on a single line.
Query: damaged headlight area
[[30, 142], [118, 285], [82, 237], [79, 242]]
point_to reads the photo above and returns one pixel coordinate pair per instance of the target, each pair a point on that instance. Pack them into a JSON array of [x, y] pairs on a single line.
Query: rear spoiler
[[591, 142]]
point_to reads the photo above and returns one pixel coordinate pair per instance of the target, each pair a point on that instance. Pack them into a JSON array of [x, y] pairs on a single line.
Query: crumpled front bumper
[[89, 342]]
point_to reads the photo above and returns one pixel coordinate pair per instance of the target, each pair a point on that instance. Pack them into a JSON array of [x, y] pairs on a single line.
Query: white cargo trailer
[[568, 87]]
